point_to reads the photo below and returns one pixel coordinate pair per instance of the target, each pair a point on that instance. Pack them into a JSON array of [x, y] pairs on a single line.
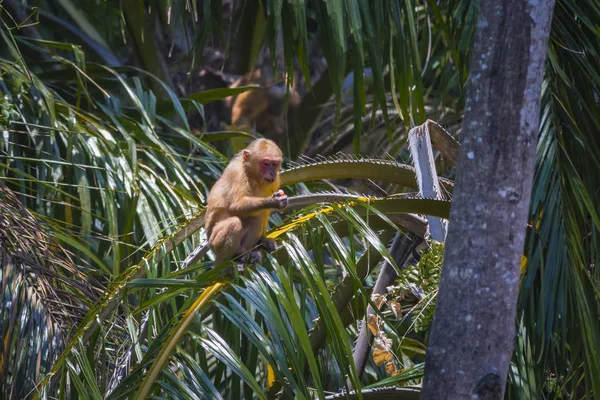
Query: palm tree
[[104, 157]]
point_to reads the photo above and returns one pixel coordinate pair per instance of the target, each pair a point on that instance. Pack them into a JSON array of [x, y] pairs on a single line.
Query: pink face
[[269, 168]]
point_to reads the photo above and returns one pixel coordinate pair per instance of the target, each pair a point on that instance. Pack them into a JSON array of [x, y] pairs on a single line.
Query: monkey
[[240, 202], [262, 107]]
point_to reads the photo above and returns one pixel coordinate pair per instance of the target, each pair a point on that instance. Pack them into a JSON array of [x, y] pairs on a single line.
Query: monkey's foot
[[268, 244], [251, 257], [229, 271]]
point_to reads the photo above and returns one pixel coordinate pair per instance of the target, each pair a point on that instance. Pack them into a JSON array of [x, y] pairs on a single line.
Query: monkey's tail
[[196, 255]]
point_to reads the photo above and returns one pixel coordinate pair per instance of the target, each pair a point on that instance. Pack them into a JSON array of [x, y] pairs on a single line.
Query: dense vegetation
[[112, 135]]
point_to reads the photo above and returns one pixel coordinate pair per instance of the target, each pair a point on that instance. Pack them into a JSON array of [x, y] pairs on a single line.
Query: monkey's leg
[[254, 232], [226, 239]]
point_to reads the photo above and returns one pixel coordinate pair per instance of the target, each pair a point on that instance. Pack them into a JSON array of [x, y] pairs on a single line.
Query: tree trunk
[[471, 340]]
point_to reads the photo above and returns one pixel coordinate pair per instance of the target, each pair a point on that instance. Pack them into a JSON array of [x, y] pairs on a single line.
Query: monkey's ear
[[245, 154]]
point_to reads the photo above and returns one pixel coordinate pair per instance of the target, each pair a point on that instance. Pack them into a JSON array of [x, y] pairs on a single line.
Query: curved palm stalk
[[391, 205], [400, 210], [380, 208], [339, 168]]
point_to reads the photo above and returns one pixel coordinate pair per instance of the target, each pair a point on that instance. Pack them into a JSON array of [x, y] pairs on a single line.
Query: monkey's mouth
[[269, 180]]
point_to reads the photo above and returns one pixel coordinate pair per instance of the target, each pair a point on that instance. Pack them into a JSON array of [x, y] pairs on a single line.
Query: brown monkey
[[263, 108], [239, 203]]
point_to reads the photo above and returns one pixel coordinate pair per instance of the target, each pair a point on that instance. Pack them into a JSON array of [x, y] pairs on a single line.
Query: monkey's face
[[269, 168], [262, 161]]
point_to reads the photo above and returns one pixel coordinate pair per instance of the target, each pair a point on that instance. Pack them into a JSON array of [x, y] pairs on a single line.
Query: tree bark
[[472, 336]]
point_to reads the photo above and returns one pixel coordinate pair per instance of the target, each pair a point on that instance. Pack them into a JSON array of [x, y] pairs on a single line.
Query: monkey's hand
[[268, 244], [279, 200]]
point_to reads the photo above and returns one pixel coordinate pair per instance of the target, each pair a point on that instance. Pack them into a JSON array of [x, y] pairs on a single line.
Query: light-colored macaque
[[262, 108], [241, 200]]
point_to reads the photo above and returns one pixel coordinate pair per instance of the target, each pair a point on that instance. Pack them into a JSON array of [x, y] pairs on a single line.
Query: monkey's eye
[[266, 163]]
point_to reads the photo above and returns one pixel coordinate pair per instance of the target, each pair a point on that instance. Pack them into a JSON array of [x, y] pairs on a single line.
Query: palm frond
[[557, 300], [44, 295]]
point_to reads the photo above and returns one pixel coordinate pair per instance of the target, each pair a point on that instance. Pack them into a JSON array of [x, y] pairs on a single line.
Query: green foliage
[[556, 300], [421, 281], [103, 155], [417, 285], [8, 111]]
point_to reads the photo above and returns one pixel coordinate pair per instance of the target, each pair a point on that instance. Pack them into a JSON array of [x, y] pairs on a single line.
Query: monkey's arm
[[248, 204]]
